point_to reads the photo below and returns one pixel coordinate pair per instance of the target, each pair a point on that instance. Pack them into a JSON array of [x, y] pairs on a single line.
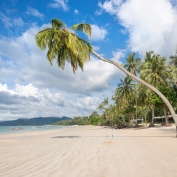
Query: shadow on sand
[[66, 137]]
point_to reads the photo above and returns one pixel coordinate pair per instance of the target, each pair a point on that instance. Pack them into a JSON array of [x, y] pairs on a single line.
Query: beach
[[86, 151]]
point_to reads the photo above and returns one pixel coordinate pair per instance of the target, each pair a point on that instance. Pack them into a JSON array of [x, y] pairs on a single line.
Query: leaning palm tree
[[64, 45]]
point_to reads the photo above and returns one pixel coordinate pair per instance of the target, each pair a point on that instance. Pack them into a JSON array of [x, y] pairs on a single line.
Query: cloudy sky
[[30, 87]]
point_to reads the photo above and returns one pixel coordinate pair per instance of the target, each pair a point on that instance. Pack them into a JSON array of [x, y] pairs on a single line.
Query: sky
[[31, 87]]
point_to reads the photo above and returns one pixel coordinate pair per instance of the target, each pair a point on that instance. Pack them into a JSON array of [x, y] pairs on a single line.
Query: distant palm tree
[[64, 45], [101, 107], [126, 89], [120, 103], [154, 70], [132, 66], [173, 59], [132, 63]]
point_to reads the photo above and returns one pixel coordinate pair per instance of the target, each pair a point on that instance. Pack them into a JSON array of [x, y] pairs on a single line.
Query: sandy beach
[[86, 152]]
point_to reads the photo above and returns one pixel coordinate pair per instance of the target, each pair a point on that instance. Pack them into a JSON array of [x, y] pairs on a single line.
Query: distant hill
[[34, 121]]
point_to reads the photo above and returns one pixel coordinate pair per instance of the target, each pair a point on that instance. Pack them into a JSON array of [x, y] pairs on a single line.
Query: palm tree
[[144, 111], [101, 107], [155, 71], [64, 45], [125, 89], [173, 63], [132, 66], [120, 103], [173, 59]]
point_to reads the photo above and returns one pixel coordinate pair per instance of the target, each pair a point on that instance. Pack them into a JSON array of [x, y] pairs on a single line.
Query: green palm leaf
[[83, 27], [64, 45]]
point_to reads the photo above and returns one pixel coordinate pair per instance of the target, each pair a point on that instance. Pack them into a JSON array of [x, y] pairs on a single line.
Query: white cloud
[[76, 11], [59, 3], [26, 64], [98, 33], [6, 20], [34, 12], [151, 24], [117, 55], [35, 68], [18, 22], [110, 6], [85, 105], [96, 48], [11, 22], [29, 99]]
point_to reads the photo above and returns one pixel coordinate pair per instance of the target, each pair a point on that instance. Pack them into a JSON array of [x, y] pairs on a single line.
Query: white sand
[[86, 152]]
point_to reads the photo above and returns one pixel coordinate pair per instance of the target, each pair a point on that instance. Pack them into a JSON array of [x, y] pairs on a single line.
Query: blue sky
[[30, 87]]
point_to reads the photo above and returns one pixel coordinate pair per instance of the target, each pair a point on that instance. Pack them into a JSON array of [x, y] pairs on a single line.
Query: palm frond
[[83, 27], [57, 24]]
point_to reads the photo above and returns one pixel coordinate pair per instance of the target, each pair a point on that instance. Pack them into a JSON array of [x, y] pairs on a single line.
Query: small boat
[[35, 128], [19, 128]]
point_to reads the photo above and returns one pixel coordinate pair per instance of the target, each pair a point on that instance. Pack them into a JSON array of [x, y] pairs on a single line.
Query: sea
[[15, 129]]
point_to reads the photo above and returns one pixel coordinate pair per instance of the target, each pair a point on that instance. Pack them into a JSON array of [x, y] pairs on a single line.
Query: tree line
[[154, 74], [132, 100]]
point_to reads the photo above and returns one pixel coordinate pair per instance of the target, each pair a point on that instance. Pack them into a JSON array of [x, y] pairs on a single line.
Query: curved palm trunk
[[144, 83]]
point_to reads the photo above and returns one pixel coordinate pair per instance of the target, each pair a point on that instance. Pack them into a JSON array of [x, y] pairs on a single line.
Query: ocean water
[[9, 130]]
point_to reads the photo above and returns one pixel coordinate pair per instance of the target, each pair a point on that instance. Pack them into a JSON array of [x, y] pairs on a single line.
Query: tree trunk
[[123, 120], [144, 83], [152, 114], [130, 123], [145, 120], [135, 99], [165, 114]]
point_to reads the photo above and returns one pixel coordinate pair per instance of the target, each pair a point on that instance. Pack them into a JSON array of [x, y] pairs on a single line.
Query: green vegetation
[[93, 119], [34, 121], [74, 121], [130, 99]]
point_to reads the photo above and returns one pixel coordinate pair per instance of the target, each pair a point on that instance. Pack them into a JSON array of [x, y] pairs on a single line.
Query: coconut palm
[[132, 63], [120, 102], [64, 45], [126, 89], [155, 71], [174, 75], [132, 66], [144, 111], [173, 59], [101, 107], [173, 62]]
